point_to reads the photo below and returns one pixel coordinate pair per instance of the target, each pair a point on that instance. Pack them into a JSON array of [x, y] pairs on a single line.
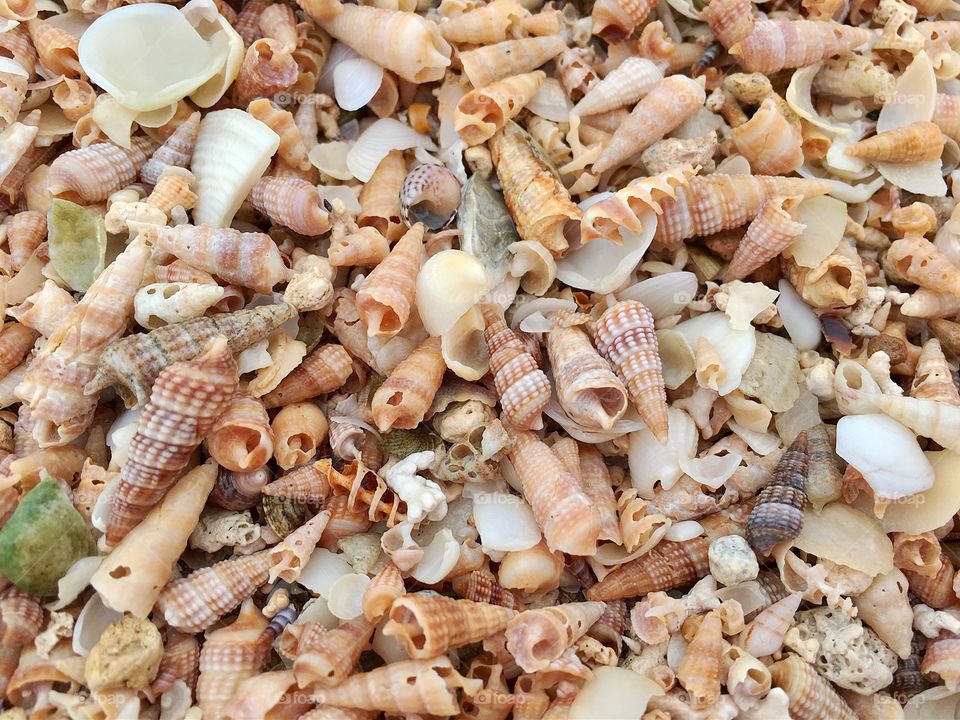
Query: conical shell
[[16, 341], [597, 485], [484, 24], [482, 586], [174, 187], [385, 588], [179, 271], [405, 396], [823, 474], [775, 45], [429, 625], [523, 387], [25, 232], [936, 591], [854, 76], [770, 142], [713, 203], [935, 420], [324, 370], [241, 439], [332, 657], [917, 260], [778, 514], [700, 668], [21, 617], [292, 202], [95, 172], [366, 492], [942, 658], [672, 101], [612, 625], [385, 298], [569, 520], [918, 142], [186, 400], [948, 333], [615, 20], [946, 114], [289, 557], [176, 151], [624, 85], [366, 247], [180, 661], [919, 553], [538, 637], [480, 113], [405, 686], [490, 63], [135, 362], [730, 21], [626, 338], [771, 232], [307, 484], [56, 47], [588, 390], [293, 146], [811, 697], [537, 200], [766, 632], [925, 303], [933, 378]]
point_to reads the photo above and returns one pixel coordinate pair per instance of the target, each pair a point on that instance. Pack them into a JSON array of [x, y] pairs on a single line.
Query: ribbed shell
[[405, 396], [490, 63], [186, 400], [854, 76], [485, 24], [700, 668], [292, 202], [365, 491], [268, 67], [775, 45], [305, 484], [624, 85], [324, 370], [385, 588], [248, 20], [241, 439], [932, 379], [778, 514], [942, 657], [612, 625], [179, 271], [134, 362], [772, 144], [946, 114], [597, 485], [327, 659], [713, 203], [380, 200], [16, 341], [522, 386], [25, 232], [626, 338], [21, 617], [293, 149], [311, 56], [908, 680], [481, 112], [730, 21], [811, 697], [588, 390], [569, 520], [537, 200], [174, 187], [672, 101], [766, 632], [615, 20], [920, 141], [429, 625], [56, 47], [289, 557], [176, 151], [95, 172], [194, 603], [538, 637], [917, 260], [180, 661], [823, 475], [936, 591], [772, 231], [385, 298], [482, 586]]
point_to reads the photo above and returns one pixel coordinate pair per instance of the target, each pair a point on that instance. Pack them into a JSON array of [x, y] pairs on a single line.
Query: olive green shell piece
[[283, 515], [42, 539], [400, 443], [78, 243], [486, 228]]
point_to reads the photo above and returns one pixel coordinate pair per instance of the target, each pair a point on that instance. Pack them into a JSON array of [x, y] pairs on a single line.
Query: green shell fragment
[[400, 443], [42, 539], [78, 243], [282, 514], [486, 228]]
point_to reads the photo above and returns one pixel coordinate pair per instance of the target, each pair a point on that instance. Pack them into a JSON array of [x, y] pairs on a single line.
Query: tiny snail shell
[[430, 194]]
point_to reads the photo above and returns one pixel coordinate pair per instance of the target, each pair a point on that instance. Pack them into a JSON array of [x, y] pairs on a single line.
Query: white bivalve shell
[[885, 453], [355, 81], [505, 522], [449, 284]]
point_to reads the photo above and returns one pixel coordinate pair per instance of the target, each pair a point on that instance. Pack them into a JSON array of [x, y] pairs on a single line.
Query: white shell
[[533, 264], [356, 81], [345, 598], [322, 570], [377, 141], [535, 314], [254, 357], [800, 322], [75, 581], [175, 702], [121, 433], [505, 522], [663, 295], [735, 348], [603, 265], [91, 622], [463, 347], [652, 463], [683, 531], [330, 158], [449, 284], [886, 454], [746, 300], [712, 471], [160, 304], [551, 102], [825, 219], [439, 558], [614, 693]]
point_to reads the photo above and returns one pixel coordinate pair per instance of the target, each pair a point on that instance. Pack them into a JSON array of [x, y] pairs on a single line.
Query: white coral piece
[[929, 622], [423, 497], [222, 528]]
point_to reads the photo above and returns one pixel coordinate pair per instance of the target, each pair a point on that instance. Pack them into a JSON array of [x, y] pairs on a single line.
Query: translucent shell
[[769, 141], [522, 386], [920, 141], [626, 337], [241, 439], [615, 20], [429, 625], [566, 515], [932, 379], [21, 617], [292, 202], [324, 370], [404, 398], [917, 260], [771, 232], [16, 341], [811, 697], [327, 659], [538, 637], [95, 172], [385, 298], [385, 588], [25, 231], [176, 151], [186, 400], [624, 85], [481, 112], [775, 45], [672, 101], [490, 63], [537, 200], [700, 668], [713, 203]]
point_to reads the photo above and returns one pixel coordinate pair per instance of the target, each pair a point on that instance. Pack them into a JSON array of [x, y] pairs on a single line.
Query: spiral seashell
[[25, 231], [941, 658], [522, 386], [186, 400], [626, 338], [21, 618], [308, 484], [385, 588], [775, 45], [538, 637], [324, 370], [778, 514], [730, 21], [327, 659], [135, 362], [811, 697], [293, 146], [404, 398], [16, 341], [700, 668], [289, 557], [291, 202], [489, 63], [624, 85], [771, 232], [769, 141], [95, 172], [823, 476], [482, 586], [486, 24], [854, 76], [367, 492], [56, 47], [366, 247], [268, 68], [180, 661], [917, 260], [615, 20], [932, 379], [385, 298], [380, 198], [176, 151], [174, 187], [766, 632], [482, 112], [936, 590], [920, 141], [241, 439], [430, 194]]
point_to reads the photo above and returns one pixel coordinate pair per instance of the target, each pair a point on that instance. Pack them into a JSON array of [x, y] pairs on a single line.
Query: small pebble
[[126, 655], [732, 560]]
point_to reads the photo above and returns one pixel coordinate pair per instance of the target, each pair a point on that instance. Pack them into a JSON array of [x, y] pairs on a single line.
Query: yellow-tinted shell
[[700, 669], [385, 298], [56, 47], [917, 260], [933, 378], [480, 113], [405, 396], [176, 151], [522, 386], [484, 24], [538, 637], [775, 45], [97, 171], [811, 697], [241, 439], [920, 141], [324, 370], [771, 232], [769, 141], [490, 63], [380, 200]]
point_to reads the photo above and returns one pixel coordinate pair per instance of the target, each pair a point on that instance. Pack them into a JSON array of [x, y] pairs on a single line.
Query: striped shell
[[612, 625], [482, 586], [21, 618], [921, 141], [538, 637], [56, 47], [430, 625], [730, 21], [304, 484], [700, 668], [25, 231], [933, 378], [16, 341], [907, 679], [174, 187], [384, 589], [937, 590], [774, 45], [176, 151], [291, 202], [766, 632], [771, 232], [324, 370], [946, 115], [522, 386], [596, 482], [624, 85], [291, 555], [180, 661], [268, 67], [482, 112], [615, 20], [778, 514], [626, 338], [186, 400], [769, 141], [385, 298], [942, 658], [485, 24], [327, 659], [293, 147], [823, 475], [380, 198], [489, 63], [811, 697], [241, 439], [404, 398], [95, 172]]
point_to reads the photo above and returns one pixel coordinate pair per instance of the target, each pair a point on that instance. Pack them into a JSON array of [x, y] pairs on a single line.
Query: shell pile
[[488, 359]]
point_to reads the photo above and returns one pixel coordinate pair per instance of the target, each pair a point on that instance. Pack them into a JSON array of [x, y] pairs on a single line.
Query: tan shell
[[385, 588], [482, 586], [405, 396], [324, 370], [522, 386], [176, 151], [180, 661], [538, 637], [380, 198], [769, 141], [56, 47], [730, 21], [771, 232], [268, 67], [293, 147], [624, 85], [918, 261], [700, 668], [241, 439], [21, 618], [932, 379], [918, 142], [94, 173], [811, 697], [127, 654], [936, 590], [774, 45], [291, 202], [482, 112], [25, 231], [489, 63], [946, 114], [329, 658], [484, 24], [823, 474], [615, 20], [385, 298]]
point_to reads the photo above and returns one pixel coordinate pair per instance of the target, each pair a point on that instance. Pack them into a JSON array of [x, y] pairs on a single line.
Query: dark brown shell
[[282, 515], [907, 679], [239, 490], [778, 514]]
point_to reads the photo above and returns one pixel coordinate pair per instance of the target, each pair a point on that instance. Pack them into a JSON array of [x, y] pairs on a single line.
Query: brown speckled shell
[[482, 586], [292, 202], [772, 231], [324, 370], [778, 514]]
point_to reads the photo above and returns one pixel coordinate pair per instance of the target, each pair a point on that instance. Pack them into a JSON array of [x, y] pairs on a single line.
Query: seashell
[[131, 578], [732, 560], [730, 21], [778, 514], [299, 429], [765, 634], [929, 304], [940, 659], [135, 362], [25, 231], [127, 654], [268, 68], [283, 514], [769, 141], [918, 261], [305, 484], [563, 511], [406, 686], [324, 370], [327, 659], [775, 45], [918, 142], [522, 386], [180, 661], [700, 668], [385, 588], [811, 697], [484, 25], [482, 586], [946, 115], [484, 111], [246, 259], [291, 202], [537, 637], [625, 337], [159, 304], [823, 475], [95, 172], [239, 490], [505, 522], [174, 187], [615, 20], [241, 439], [290, 556], [429, 194], [672, 101], [540, 205], [489, 63], [882, 449], [772, 231], [16, 341], [429, 625], [359, 483], [449, 285], [625, 85], [56, 47], [380, 197], [43, 310], [885, 607], [932, 380], [293, 146], [405, 396], [21, 618], [385, 298], [176, 151]]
